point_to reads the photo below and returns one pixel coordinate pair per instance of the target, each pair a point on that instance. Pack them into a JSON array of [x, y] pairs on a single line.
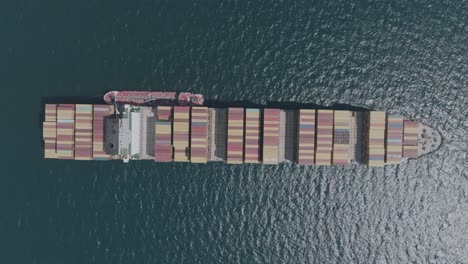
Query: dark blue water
[[401, 57]]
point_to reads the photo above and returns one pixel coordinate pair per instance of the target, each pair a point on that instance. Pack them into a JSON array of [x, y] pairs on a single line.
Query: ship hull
[[170, 126]]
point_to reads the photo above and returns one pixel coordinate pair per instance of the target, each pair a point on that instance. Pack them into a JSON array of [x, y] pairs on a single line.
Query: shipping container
[[199, 135], [49, 131], [271, 134], [84, 132], [410, 139], [306, 137], [324, 144], [394, 139], [181, 131], [376, 139], [341, 137], [410, 136], [50, 113], [163, 148], [65, 131], [252, 135], [410, 151], [235, 136]]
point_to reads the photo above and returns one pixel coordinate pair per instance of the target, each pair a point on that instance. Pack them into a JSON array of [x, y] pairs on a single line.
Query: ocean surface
[[404, 57]]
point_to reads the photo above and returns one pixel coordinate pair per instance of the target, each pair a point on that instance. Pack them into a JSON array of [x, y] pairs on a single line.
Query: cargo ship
[[178, 127]]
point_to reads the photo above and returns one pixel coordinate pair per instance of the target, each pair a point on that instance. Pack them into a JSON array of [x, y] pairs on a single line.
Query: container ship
[[177, 127]]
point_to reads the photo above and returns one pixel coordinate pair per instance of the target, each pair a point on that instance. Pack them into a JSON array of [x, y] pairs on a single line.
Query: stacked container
[[306, 137], [135, 132], [376, 140], [271, 131], [181, 133], [252, 135], [49, 132], [99, 114], [163, 150], [341, 139], [65, 131], [394, 139], [235, 136], [84, 132], [323, 155], [410, 139], [199, 135]]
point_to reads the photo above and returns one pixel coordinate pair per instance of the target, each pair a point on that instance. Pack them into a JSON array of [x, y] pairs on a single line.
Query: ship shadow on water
[[282, 105], [208, 102], [73, 100]]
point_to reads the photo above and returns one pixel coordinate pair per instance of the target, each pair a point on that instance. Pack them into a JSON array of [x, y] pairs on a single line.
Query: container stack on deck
[[235, 136], [341, 139], [394, 139], [199, 135], [49, 131], [410, 139], [271, 133], [84, 132], [306, 137], [252, 135], [181, 133], [65, 131], [376, 145], [323, 155], [282, 136], [163, 150], [99, 114]]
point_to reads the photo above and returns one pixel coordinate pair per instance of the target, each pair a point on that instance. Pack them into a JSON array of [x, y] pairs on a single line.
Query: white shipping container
[[136, 127]]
